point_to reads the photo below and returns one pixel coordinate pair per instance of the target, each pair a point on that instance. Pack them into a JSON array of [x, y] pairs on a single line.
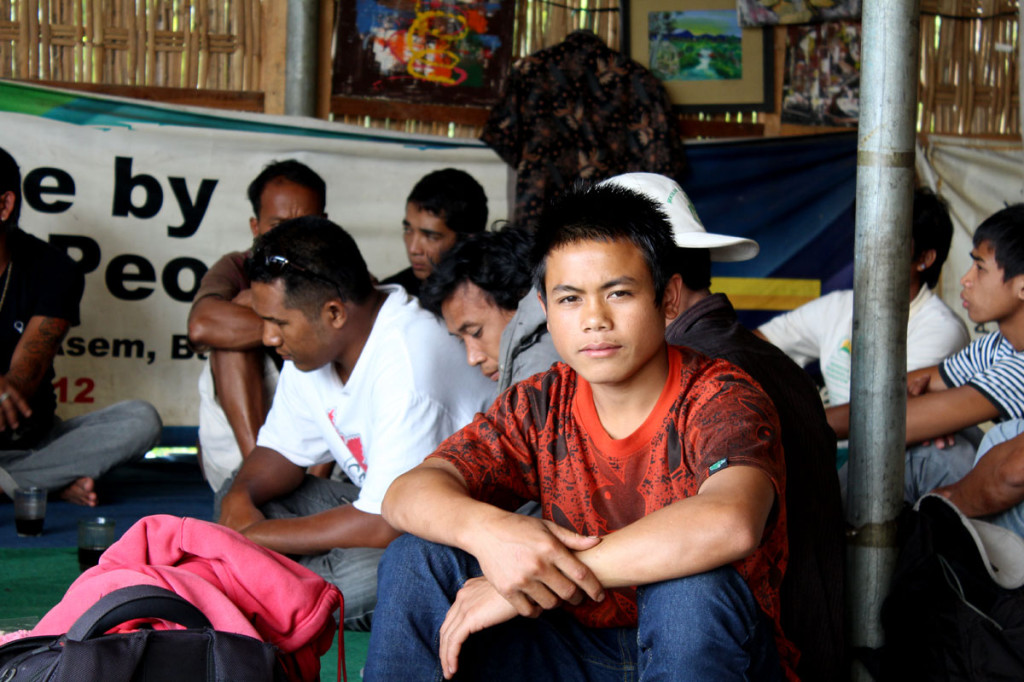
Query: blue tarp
[[795, 196]]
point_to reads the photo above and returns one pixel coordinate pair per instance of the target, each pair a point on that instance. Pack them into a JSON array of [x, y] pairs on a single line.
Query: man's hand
[[238, 513], [12, 406], [941, 442], [531, 563], [917, 385], [477, 606], [243, 298]]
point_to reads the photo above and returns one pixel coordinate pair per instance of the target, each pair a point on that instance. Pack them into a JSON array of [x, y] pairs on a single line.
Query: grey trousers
[[926, 467], [353, 570], [89, 445]]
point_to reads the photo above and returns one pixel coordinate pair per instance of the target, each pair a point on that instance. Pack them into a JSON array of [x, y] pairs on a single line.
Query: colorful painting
[[771, 12], [822, 80], [435, 51], [695, 45]]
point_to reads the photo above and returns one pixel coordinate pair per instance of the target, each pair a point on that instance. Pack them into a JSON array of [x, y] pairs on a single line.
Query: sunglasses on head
[[276, 265]]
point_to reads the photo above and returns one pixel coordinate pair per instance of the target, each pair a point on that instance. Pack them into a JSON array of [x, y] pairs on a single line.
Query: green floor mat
[[33, 580]]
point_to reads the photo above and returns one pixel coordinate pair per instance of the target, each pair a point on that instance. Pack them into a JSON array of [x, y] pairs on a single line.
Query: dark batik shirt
[[580, 110]]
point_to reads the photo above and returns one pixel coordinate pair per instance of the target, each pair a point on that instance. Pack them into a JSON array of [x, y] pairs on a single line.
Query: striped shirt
[[992, 366]]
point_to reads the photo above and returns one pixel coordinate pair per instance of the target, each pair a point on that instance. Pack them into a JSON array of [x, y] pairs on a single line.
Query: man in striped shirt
[[984, 381]]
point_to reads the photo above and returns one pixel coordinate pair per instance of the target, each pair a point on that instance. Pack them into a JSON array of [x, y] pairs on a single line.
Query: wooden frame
[[753, 90]]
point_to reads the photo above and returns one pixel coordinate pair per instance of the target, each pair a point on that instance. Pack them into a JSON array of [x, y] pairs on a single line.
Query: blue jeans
[[703, 627]]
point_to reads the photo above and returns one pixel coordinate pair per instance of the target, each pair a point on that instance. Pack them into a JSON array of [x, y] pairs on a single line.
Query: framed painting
[[821, 85], [772, 12], [704, 58], [426, 51]]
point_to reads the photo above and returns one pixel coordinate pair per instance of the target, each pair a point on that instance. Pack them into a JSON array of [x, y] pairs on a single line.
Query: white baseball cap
[[687, 230]]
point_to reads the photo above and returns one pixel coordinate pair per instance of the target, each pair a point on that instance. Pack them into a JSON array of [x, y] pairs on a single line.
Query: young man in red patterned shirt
[[660, 477]]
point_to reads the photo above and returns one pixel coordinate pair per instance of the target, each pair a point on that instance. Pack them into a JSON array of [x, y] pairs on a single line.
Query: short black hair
[[694, 266], [1004, 231], [606, 213], [455, 197], [292, 171], [497, 262], [933, 229], [324, 263], [10, 181]]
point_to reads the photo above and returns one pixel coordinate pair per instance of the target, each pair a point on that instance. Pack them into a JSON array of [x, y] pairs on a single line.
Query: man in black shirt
[[40, 289]]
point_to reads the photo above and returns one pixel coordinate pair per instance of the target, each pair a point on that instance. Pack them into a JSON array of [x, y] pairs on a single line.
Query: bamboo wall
[[969, 67], [196, 44]]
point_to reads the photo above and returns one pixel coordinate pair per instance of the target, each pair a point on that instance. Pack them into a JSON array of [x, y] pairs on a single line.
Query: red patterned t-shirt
[[542, 440]]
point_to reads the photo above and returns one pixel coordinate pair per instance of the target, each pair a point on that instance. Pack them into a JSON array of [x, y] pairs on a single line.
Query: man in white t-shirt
[[370, 381], [823, 329]]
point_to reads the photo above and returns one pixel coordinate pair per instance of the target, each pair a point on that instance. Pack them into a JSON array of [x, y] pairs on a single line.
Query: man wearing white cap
[[812, 590]]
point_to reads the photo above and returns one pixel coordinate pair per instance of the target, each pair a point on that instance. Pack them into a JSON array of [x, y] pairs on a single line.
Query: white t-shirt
[[410, 389], [823, 330]]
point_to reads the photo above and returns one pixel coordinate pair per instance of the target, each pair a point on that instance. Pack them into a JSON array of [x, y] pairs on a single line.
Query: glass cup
[[94, 536], [29, 511]]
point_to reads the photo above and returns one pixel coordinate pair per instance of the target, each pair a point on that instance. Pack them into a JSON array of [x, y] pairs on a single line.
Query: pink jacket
[[241, 587]]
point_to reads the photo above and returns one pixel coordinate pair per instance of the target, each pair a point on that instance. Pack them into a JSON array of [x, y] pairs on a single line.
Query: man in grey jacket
[[482, 289]]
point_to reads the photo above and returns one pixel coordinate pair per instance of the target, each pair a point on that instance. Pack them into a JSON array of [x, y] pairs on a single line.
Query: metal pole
[[300, 71], [885, 175]]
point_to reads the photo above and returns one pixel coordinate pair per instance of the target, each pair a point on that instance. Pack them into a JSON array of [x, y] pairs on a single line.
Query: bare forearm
[[33, 355], [723, 523], [433, 503], [264, 475], [994, 485], [240, 385], [838, 418], [937, 414], [686, 538], [925, 380], [929, 415], [343, 526], [216, 323]]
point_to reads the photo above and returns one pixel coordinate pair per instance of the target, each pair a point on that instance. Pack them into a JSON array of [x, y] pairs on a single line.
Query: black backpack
[[946, 617], [85, 653]]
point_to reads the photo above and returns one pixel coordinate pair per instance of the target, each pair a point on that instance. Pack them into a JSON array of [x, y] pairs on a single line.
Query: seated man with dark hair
[[482, 289], [983, 382], [371, 381], [237, 383], [443, 207], [41, 291], [660, 476], [823, 329]]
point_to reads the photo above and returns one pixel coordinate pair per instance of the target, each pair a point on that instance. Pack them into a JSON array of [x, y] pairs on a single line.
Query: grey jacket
[[516, 363]]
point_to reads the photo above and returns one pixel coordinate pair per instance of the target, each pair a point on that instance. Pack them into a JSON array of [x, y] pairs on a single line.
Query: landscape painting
[[706, 62], [695, 45]]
